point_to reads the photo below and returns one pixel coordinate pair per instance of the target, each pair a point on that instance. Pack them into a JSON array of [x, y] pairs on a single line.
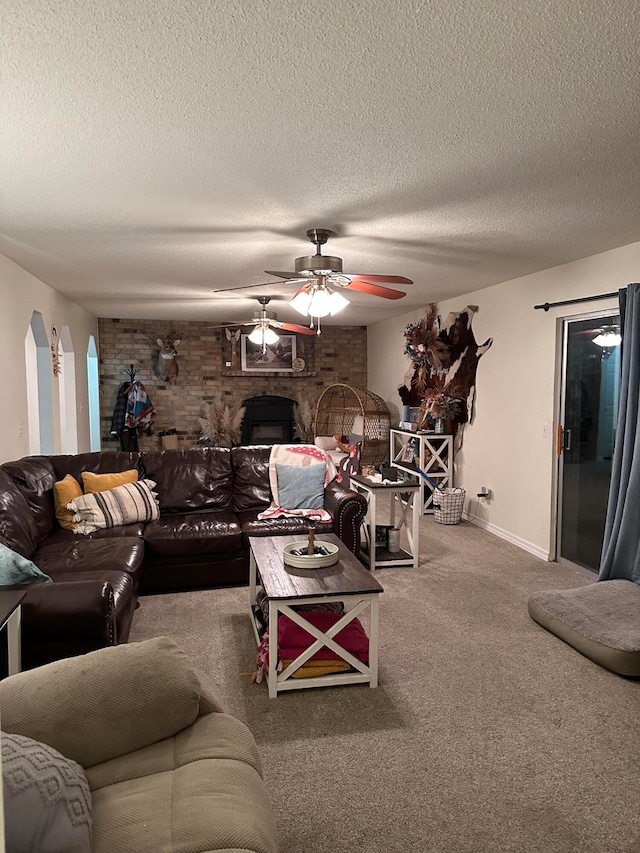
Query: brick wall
[[208, 363]]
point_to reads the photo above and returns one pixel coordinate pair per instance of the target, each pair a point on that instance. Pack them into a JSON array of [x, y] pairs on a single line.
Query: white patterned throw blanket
[[297, 481]]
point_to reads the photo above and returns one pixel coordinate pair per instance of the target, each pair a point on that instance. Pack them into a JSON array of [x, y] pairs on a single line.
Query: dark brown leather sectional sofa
[[209, 502]]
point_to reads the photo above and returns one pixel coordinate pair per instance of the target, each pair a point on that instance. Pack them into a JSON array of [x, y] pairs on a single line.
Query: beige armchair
[[167, 768]]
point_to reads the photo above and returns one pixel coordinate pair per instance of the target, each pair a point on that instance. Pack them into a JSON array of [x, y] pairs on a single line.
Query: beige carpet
[[486, 735]]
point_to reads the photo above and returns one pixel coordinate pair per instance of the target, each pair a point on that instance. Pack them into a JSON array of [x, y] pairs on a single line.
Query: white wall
[[20, 295], [504, 448]]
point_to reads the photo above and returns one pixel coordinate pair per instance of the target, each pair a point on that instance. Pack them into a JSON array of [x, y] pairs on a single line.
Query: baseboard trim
[[510, 537]]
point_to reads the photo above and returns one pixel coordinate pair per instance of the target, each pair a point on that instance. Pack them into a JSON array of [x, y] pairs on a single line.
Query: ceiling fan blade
[[246, 287], [233, 325], [389, 279], [286, 274], [374, 289], [293, 327]]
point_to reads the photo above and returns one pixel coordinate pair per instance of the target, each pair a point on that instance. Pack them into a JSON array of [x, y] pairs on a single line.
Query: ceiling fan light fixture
[[300, 302], [607, 339], [320, 304], [337, 302], [317, 300], [263, 336]]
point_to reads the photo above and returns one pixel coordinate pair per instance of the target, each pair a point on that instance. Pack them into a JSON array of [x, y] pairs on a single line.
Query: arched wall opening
[[94, 394], [68, 394], [39, 386]]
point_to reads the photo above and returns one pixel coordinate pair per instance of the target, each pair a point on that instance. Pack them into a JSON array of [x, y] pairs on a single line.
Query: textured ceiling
[[158, 151]]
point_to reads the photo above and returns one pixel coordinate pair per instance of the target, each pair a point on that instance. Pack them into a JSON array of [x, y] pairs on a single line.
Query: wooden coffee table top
[[346, 577]]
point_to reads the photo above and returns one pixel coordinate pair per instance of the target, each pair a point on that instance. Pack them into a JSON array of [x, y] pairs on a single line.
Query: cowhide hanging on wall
[[444, 359]]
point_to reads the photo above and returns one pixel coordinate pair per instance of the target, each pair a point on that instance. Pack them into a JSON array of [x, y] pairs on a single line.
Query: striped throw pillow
[[126, 504]]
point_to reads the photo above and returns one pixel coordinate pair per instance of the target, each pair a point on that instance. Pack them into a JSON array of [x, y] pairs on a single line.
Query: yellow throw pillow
[[65, 491], [105, 482]]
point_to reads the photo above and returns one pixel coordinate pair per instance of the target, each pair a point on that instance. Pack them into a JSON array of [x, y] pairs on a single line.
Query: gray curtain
[[621, 546]]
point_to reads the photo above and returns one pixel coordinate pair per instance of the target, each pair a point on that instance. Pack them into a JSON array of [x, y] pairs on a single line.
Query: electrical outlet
[[545, 430], [484, 492], [20, 430]]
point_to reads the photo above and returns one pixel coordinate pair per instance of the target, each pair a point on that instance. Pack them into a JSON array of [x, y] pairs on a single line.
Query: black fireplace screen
[[268, 420]]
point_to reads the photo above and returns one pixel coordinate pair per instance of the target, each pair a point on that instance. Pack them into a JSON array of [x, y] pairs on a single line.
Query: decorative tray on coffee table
[[324, 554]]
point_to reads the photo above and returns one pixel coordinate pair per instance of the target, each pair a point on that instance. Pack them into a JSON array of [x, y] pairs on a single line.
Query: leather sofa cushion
[[17, 525], [61, 537], [188, 480], [108, 462], [251, 477], [187, 534], [251, 525], [35, 476], [83, 556]]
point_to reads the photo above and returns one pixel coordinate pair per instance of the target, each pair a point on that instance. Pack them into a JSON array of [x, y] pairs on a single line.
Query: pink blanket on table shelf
[[293, 640], [302, 455]]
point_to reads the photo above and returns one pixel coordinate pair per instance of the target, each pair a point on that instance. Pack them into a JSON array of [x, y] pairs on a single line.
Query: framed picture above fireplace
[[278, 357]]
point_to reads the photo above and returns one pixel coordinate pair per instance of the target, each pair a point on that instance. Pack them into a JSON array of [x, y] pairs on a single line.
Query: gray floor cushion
[[602, 621]]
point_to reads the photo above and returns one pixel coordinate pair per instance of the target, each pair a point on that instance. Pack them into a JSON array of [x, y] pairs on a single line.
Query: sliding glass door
[[589, 405]]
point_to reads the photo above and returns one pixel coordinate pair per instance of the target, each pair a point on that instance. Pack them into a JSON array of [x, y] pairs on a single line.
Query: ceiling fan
[[317, 276], [605, 336], [264, 323]]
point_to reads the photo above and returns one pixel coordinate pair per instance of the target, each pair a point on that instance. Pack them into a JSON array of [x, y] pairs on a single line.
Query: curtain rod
[[548, 305]]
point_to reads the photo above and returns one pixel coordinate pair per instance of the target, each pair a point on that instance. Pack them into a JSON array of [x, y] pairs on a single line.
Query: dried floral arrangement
[[440, 404], [304, 416], [423, 343], [221, 423]]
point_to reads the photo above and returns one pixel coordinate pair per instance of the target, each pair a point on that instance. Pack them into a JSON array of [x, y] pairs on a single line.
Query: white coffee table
[[347, 581]]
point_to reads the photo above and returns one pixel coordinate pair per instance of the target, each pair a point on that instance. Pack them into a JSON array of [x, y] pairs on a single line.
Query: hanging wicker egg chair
[[346, 410]]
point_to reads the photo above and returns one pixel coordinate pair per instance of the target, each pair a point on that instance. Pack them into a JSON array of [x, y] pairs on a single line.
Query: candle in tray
[[311, 549]]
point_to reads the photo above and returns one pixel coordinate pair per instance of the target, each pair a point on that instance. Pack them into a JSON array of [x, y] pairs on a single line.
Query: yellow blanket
[[317, 667]]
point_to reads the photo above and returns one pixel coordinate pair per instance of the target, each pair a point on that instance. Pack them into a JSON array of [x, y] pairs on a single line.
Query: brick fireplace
[[338, 355]]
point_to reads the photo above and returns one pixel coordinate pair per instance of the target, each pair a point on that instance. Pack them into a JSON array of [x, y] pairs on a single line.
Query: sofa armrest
[[70, 609], [106, 703], [347, 509]]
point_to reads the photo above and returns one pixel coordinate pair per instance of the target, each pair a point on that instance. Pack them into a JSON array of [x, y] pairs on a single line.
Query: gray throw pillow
[[47, 801], [16, 569], [300, 486]]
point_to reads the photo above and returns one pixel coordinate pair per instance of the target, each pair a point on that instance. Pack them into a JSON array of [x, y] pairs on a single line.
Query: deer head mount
[[166, 360]]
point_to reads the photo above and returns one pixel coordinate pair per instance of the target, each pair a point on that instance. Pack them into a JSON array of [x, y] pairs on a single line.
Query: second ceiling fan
[[264, 323]]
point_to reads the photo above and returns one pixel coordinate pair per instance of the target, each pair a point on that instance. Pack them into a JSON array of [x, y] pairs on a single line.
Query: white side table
[[403, 514], [10, 616]]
